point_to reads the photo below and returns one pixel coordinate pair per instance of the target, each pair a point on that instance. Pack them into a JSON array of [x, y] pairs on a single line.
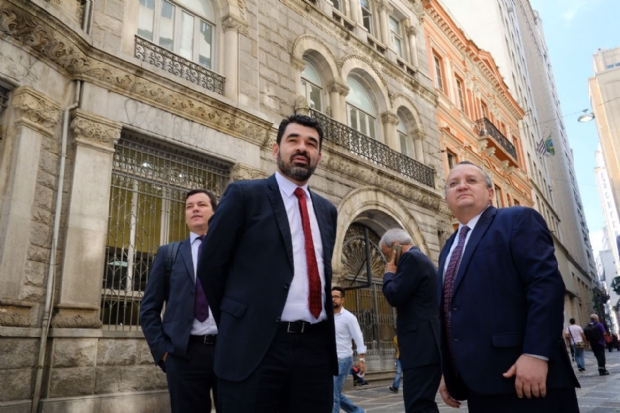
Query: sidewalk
[[598, 394]]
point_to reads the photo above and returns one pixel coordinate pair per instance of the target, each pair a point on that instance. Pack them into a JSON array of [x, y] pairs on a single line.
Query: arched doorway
[[376, 317]]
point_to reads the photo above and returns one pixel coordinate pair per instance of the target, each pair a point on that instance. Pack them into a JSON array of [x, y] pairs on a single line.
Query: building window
[[185, 27], [451, 159], [396, 36], [337, 4], [360, 109], [311, 82], [515, 202], [438, 73], [147, 203], [484, 109], [498, 197], [460, 94], [367, 15], [404, 138]]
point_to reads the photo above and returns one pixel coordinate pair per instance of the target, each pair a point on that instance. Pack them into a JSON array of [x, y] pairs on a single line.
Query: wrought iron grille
[[485, 127], [376, 317], [373, 151], [4, 98], [147, 204], [178, 66]]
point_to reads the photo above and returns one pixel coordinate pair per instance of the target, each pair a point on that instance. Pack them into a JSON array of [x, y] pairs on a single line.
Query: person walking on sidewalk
[[347, 329], [399, 369], [577, 341], [594, 334]]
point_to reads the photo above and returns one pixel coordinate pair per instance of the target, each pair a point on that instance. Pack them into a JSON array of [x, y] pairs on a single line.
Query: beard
[[296, 172]]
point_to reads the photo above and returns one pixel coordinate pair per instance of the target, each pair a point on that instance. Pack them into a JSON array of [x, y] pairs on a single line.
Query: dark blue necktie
[[201, 305]]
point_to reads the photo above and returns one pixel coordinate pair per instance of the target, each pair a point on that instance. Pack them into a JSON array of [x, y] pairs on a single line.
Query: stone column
[[413, 46], [337, 95], [87, 221], [384, 11], [232, 27], [390, 122], [419, 148], [35, 118]]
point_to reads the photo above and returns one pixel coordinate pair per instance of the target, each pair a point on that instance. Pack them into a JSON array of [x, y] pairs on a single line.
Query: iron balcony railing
[[372, 150], [484, 127], [178, 66]]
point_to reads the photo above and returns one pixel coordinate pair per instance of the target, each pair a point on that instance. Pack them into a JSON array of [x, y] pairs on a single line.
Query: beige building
[[112, 109]]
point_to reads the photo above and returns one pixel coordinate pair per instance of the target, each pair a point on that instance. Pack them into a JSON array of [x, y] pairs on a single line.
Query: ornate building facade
[[110, 110]]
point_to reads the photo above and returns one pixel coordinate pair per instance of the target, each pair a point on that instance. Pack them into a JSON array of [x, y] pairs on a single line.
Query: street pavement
[[598, 394]]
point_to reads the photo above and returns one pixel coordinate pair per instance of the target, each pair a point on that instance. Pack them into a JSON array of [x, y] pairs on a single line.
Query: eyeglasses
[[469, 181]]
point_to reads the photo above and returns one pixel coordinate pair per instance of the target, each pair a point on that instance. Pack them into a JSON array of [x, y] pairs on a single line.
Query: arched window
[[360, 109], [311, 82], [185, 27], [403, 136]]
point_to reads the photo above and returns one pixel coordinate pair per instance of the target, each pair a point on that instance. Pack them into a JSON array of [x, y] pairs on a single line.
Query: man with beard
[[266, 271]]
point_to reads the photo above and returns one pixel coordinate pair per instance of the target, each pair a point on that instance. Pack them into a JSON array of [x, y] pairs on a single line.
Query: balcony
[[178, 66], [507, 151], [373, 151]]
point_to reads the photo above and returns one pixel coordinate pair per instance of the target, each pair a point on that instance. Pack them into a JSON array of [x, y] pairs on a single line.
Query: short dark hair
[[572, 321], [301, 120], [210, 194], [339, 289]]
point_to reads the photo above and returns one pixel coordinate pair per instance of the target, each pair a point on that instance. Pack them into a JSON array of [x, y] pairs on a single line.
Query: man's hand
[[445, 395], [362, 367], [391, 265], [531, 373]]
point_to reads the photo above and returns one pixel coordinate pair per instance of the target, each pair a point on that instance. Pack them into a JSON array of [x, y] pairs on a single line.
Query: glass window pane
[[401, 126], [367, 20], [403, 143], [205, 42], [394, 25], [359, 97], [353, 118], [166, 26], [187, 36], [315, 98], [145, 19], [371, 127], [311, 74], [396, 44], [336, 4], [363, 123], [202, 7]]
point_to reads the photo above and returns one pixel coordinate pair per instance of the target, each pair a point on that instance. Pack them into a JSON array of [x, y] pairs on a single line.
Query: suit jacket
[[246, 269], [508, 300], [171, 335], [412, 291]]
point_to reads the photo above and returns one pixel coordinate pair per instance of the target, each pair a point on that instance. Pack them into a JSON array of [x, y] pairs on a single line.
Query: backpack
[[171, 256], [592, 333]]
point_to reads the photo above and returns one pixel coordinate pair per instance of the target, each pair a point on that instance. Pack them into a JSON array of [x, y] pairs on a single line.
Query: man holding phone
[[410, 284]]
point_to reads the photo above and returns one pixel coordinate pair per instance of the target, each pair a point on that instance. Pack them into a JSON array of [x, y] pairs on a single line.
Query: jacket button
[[286, 286], [456, 339], [278, 319], [455, 308]]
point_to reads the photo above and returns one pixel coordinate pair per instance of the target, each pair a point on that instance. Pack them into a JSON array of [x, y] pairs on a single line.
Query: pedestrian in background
[[595, 334], [576, 339]]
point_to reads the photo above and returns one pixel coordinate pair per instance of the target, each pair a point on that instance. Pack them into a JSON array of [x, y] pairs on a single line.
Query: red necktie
[[314, 280], [448, 284]]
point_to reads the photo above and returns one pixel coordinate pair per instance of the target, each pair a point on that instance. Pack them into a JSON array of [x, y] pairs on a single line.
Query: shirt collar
[[288, 188], [472, 222], [192, 237]]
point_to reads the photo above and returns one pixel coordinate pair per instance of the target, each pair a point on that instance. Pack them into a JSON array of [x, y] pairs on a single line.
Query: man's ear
[[275, 150]]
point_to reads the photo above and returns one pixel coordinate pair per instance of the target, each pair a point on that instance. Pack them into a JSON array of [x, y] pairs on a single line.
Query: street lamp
[[586, 116]]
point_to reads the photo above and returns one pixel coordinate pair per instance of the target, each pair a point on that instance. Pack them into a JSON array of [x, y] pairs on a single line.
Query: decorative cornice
[[14, 316], [235, 24], [61, 320], [35, 110], [385, 5], [71, 54], [299, 64], [412, 30], [245, 172], [389, 117], [338, 88], [95, 131]]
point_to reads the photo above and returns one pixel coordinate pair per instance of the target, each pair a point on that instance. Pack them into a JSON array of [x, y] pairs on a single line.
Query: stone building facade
[[112, 109]]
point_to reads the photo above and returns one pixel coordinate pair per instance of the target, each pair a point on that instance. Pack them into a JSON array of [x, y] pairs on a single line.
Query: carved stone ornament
[[95, 131], [412, 30], [339, 88], [233, 23], [14, 316], [245, 172], [70, 53], [68, 320], [299, 64], [301, 106], [389, 117], [35, 109], [385, 5]]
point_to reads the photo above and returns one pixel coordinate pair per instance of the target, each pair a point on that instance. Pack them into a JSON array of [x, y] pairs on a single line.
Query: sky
[[575, 30]]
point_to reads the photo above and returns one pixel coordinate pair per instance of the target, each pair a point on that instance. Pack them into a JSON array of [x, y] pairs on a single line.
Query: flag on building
[[541, 148], [549, 146]]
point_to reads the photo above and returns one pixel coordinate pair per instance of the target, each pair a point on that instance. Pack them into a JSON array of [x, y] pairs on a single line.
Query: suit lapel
[[474, 239], [186, 253], [279, 211], [321, 219]]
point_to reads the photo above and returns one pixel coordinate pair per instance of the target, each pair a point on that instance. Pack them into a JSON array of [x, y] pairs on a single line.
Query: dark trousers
[[557, 400], [190, 380], [294, 377], [599, 353], [420, 386]]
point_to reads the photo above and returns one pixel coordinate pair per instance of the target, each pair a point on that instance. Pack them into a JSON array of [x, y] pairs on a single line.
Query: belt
[[301, 327], [208, 339]]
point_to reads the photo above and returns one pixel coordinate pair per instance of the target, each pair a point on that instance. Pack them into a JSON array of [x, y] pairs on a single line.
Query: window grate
[[147, 203], [4, 98]]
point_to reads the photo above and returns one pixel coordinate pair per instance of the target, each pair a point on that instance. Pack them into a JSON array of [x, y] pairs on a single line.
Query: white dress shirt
[[208, 326], [296, 307], [348, 328]]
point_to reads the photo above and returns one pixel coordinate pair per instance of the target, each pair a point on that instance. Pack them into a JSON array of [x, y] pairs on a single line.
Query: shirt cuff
[[538, 357]]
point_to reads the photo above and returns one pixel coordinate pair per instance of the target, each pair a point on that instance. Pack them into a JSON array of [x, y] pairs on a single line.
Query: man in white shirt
[[577, 341], [347, 329]]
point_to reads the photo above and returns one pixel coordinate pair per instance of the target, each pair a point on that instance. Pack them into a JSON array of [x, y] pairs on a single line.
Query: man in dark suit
[[183, 345], [502, 303], [410, 285], [266, 268]]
